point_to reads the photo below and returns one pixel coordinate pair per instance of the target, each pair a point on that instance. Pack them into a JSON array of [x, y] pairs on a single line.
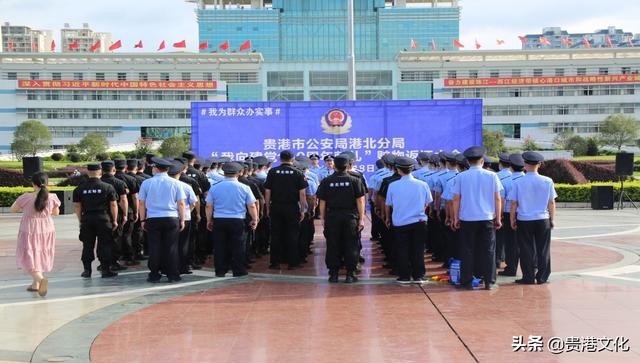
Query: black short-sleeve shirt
[[340, 192], [193, 183], [200, 177], [285, 183], [384, 186], [360, 177], [94, 195]]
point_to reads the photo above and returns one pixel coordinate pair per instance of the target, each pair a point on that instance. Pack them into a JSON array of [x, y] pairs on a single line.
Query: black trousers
[[117, 248], [184, 246], [341, 231], [96, 226], [409, 249], [285, 228], [376, 222], [138, 242], [263, 235], [128, 251], [477, 246], [162, 236], [511, 248], [438, 244], [307, 229], [229, 236], [534, 240], [501, 236]]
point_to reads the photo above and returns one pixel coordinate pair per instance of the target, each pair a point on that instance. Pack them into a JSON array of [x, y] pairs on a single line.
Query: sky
[[174, 20]]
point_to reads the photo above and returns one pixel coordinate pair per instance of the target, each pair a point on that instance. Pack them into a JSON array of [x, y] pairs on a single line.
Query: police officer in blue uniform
[[511, 249], [504, 173], [477, 211], [406, 204], [533, 209], [162, 214], [342, 209], [96, 208], [227, 204], [327, 169], [285, 199]]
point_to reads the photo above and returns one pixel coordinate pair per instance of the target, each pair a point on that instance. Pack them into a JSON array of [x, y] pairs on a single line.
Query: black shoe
[[466, 286], [524, 282], [99, 268], [153, 280], [118, 267], [108, 274], [490, 286], [419, 280], [240, 274], [220, 275], [274, 266], [403, 280], [333, 278], [86, 273], [350, 279], [541, 282], [506, 273], [175, 279], [186, 272]]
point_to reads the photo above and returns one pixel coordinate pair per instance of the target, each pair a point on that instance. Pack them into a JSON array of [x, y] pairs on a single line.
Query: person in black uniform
[[387, 233], [97, 211], [250, 243], [285, 198], [342, 210], [140, 171], [351, 170], [108, 176], [148, 164], [263, 232], [136, 235], [126, 240]]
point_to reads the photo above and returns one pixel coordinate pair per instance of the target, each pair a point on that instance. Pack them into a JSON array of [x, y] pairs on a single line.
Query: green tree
[[173, 146], [578, 145], [592, 146], [529, 144], [29, 138], [618, 130], [93, 144], [562, 138], [143, 147], [493, 142]]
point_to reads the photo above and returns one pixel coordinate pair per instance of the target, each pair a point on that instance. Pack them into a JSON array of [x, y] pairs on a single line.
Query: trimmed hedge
[[9, 194], [562, 171], [582, 192], [13, 178]]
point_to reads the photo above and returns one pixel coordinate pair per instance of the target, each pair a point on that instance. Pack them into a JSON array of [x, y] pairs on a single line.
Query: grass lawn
[[48, 165]]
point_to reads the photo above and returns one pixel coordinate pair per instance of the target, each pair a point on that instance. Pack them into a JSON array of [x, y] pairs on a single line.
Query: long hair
[[40, 180]]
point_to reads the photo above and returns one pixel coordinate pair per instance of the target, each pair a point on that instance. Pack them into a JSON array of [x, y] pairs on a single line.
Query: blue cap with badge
[[161, 163], [474, 152], [532, 157], [232, 168]]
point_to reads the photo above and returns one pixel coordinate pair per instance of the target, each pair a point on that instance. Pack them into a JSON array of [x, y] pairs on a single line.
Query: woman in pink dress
[[37, 234]]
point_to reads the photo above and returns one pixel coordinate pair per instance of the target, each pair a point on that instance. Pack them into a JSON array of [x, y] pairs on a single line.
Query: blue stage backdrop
[[368, 128]]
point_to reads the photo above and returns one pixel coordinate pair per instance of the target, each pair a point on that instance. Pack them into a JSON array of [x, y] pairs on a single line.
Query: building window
[[494, 73], [12, 75], [329, 95], [537, 72], [122, 76], [100, 76], [331, 78], [56, 76], [603, 70], [143, 76], [559, 72], [382, 94], [78, 76], [626, 70], [185, 76], [285, 79], [207, 76], [516, 73], [452, 74], [473, 74], [285, 95], [374, 78], [34, 75], [164, 76], [418, 76], [581, 71]]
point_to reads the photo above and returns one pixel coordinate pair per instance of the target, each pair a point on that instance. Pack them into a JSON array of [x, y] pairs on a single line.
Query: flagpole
[[351, 71]]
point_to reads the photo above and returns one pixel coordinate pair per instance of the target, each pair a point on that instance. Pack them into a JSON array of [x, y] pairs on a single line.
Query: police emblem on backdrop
[[336, 122]]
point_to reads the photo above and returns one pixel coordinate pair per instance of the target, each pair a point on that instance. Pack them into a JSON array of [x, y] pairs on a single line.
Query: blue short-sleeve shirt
[[409, 198], [230, 199], [533, 192], [477, 189], [161, 194]]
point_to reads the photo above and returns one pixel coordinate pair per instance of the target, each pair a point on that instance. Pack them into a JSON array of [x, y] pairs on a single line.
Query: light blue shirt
[[262, 175], [507, 184], [312, 176], [324, 172], [161, 194], [420, 171], [377, 177], [533, 192], [504, 173], [312, 185], [189, 201], [440, 180], [214, 177], [230, 199], [315, 169], [409, 197], [447, 194], [477, 189]]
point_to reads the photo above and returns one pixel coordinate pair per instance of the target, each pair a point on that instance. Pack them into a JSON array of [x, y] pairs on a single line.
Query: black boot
[[351, 278], [107, 273], [333, 276], [86, 273]]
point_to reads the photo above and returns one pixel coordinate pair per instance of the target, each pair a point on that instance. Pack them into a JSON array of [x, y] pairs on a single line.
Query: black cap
[[474, 152], [504, 158], [148, 157], [132, 163], [260, 160], [532, 157], [389, 159], [314, 157], [176, 168], [232, 168], [450, 157], [93, 167], [120, 163], [286, 155], [189, 155], [181, 160], [423, 156], [224, 159], [341, 161], [350, 155], [301, 158], [107, 164], [140, 163], [434, 159], [516, 160], [160, 162], [404, 162], [461, 160], [379, 164], [328, 157]]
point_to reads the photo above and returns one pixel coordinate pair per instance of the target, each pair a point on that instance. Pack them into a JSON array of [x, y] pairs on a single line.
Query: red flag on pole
[[523, 39], [180, 44], [95, 46], [478, 45], [115, 45], [585, 42], [457, 44], [246, 45], [499, 42], [544, 41], [52, 47], [138, 44], [414, 44], [204, 45], [433, 44], [162, 46], [74, 45], [566, 41], [224, 46], [607, 39]]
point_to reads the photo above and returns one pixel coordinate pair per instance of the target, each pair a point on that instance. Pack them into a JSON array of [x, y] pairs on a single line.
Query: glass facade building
[[304, 44]]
